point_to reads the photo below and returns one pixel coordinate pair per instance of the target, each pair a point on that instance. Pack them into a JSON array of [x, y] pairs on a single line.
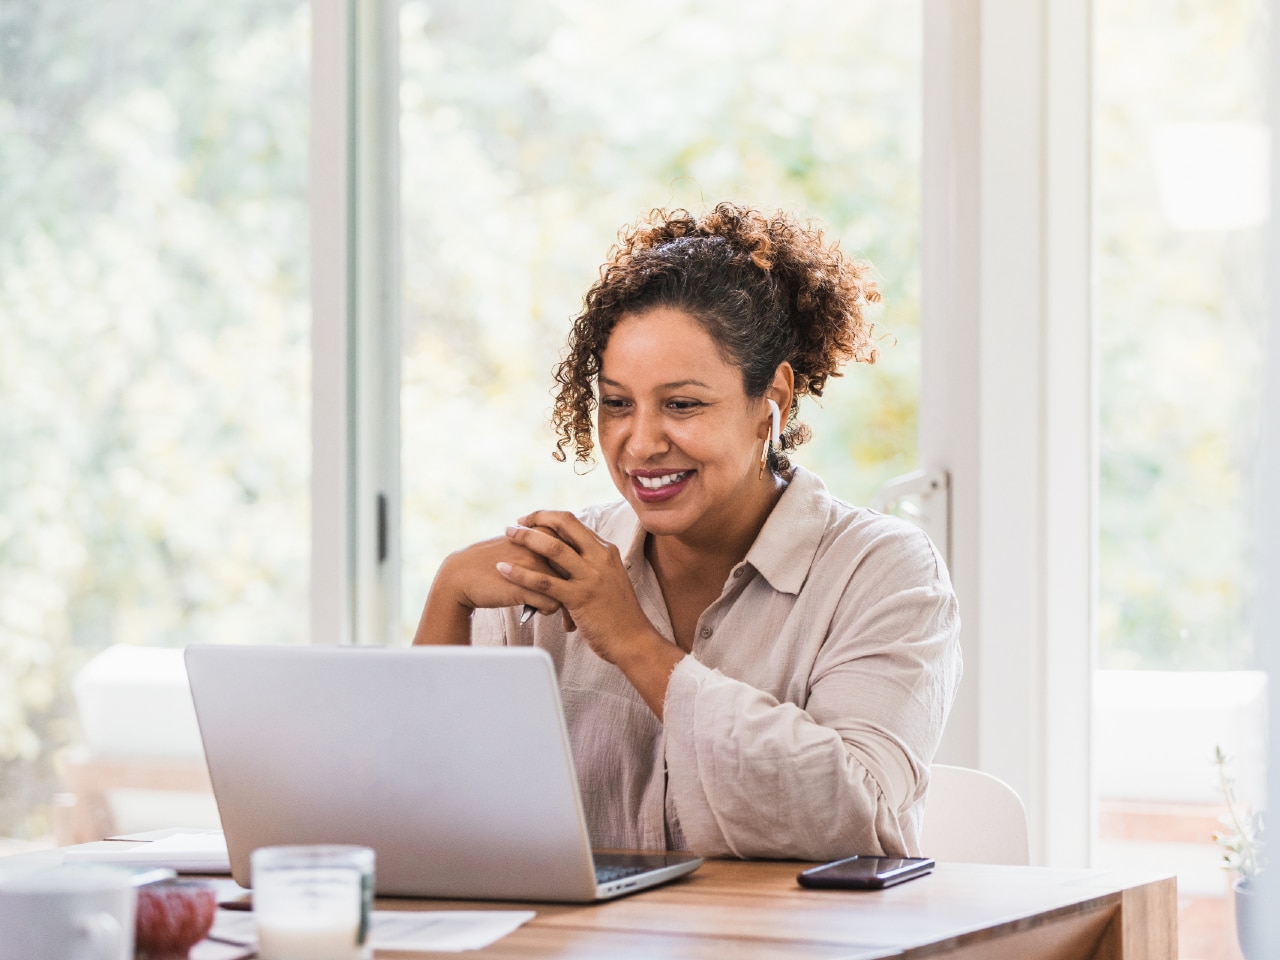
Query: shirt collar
[[633, 553], [784, 549]]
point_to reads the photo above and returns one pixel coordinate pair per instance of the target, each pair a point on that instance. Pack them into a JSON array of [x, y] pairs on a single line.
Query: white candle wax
[[309, 937]]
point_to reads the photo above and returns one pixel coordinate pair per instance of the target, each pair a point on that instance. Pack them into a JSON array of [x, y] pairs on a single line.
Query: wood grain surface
[[756, 910]]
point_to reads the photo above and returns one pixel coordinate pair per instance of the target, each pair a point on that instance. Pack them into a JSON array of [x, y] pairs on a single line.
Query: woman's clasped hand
[[589, 581]]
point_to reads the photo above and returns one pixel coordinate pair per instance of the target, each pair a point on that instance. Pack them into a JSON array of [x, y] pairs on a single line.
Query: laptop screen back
[[451, 762]]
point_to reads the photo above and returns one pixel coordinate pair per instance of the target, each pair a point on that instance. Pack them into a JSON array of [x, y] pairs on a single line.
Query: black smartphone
[[865, 873]]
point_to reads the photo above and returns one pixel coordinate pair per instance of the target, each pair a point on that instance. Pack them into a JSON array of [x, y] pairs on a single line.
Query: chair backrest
[[973, 817]]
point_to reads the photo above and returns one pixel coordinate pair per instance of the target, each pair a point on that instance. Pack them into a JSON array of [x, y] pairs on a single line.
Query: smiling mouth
[[662, 480]]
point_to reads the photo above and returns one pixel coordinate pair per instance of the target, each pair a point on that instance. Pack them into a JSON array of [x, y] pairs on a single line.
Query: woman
[[749, 667]]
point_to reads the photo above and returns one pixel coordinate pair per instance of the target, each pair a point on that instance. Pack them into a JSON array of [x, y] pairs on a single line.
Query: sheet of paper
[[202, 852], [425, 930], [444, 929], [165, 832], [214, 950]]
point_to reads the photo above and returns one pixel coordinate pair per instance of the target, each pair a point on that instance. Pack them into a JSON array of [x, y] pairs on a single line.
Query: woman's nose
[[648, 436]]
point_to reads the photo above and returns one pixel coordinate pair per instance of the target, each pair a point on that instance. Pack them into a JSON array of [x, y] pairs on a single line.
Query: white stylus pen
[[529, 611]]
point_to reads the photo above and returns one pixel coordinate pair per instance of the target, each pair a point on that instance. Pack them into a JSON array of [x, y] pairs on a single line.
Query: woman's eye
[[613, 403], [684, 405]]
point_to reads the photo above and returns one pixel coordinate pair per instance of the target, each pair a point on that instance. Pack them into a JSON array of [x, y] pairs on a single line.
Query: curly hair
[[765, 288]]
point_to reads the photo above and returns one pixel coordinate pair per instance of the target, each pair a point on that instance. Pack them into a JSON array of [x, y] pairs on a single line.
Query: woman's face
[[680, 436]]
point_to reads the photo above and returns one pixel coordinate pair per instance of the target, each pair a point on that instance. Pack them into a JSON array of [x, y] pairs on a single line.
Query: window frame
[[1008, 402], [355, 294], [1006, 280]]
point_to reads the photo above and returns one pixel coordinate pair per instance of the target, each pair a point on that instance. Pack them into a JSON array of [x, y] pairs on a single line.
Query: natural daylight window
[[1180, 182], [532, 131], [154, 378]]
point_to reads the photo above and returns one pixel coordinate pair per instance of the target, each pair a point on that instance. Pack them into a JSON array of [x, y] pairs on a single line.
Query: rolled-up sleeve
[[844, 769]]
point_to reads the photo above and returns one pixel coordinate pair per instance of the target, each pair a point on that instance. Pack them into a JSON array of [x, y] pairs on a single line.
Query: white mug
[[72, 912]]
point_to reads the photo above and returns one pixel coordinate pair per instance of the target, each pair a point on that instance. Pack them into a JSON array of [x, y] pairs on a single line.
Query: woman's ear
[[783, 389]]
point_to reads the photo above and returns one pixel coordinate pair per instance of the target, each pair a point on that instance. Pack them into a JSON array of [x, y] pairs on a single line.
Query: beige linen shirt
[[803, 723]]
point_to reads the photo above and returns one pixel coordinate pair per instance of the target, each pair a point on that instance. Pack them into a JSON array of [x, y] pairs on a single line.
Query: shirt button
[[705, 632], [737, 573]]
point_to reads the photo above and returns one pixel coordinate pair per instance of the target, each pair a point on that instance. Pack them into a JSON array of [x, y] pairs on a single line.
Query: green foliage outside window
[[532, 132], [1179, 317], [154, 329], [154, 452], [154, 366]]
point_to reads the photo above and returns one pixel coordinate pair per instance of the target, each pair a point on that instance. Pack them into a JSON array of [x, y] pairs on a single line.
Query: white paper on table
[[444, 929], [204, 852], [441, 930], [215, 950]]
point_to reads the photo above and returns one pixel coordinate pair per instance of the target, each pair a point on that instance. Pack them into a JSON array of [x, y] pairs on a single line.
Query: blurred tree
[[532, 132], [1179, 324], [154, 456]]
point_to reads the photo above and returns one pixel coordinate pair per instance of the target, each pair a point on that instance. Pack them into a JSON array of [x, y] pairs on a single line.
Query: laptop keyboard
[[606, 873]]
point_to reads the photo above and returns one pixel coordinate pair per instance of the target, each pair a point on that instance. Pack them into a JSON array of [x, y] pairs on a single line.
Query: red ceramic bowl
[[173, 916]]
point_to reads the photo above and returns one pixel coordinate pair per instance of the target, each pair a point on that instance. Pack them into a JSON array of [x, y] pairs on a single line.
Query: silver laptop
[[452, 763]]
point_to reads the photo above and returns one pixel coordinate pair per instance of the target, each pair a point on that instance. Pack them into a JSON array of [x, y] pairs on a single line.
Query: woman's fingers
[[564, 558], [543, 604], [468, 577], [565, 527], [540, 585], [540, 600], [550, 533]]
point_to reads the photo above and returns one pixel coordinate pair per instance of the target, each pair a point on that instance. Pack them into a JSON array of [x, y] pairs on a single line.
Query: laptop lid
[[452, 763]]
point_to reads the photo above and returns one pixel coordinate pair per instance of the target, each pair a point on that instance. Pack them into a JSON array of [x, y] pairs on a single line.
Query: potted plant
[[1241, 843]]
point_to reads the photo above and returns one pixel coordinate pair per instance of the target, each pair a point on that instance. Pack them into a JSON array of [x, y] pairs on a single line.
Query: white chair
[[142, 765], [973, 817]]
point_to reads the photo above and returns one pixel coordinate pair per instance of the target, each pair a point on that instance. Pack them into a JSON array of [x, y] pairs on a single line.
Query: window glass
[[1180, 174], [532, 131], [154, 377], [1181, 154]]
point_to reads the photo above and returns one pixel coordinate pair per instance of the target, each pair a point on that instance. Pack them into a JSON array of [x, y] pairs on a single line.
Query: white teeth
[[657, 483]]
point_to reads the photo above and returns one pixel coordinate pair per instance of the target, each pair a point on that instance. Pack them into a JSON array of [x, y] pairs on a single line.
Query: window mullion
[[376, 320], [354, 203]]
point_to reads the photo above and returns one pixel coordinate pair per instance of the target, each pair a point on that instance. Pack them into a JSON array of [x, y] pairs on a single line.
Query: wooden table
[[753, 910], [749, 910]]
